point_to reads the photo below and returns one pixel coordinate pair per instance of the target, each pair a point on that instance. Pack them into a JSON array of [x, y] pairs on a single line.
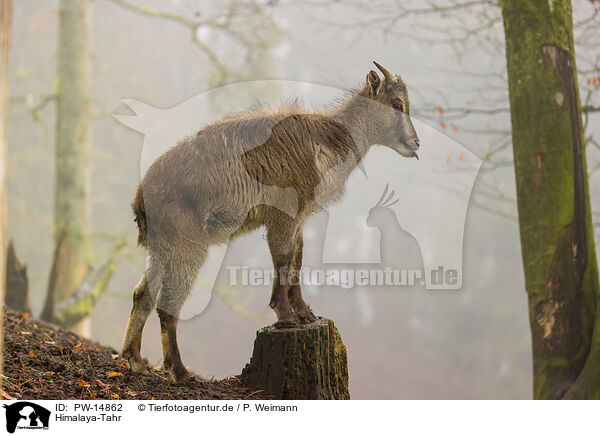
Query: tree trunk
[[79, 306], [301, 363], [72, 144], [17, 285], [557, 242], [5, 28]]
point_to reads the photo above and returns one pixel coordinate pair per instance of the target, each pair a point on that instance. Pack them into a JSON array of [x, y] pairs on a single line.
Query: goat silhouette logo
[[26, 415], [394, 239]]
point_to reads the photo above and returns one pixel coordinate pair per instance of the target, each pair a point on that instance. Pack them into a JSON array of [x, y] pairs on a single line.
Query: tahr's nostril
[[417, 143]]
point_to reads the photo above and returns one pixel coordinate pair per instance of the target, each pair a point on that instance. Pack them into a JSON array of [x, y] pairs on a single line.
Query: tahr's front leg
[[281, 236], [301, 309]]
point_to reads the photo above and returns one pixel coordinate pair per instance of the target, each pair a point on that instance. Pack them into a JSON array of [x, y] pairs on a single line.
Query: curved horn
[[382, 195], [388, 199], [387, 74], [392, 203]]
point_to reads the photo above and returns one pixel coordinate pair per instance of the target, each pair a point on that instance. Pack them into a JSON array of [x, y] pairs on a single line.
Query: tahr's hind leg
[[143, 303], [301, 310], [177, 280], [171, 357]]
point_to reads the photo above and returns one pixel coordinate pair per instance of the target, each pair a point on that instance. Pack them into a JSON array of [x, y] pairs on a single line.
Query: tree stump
[[304, 362], [17, 285]]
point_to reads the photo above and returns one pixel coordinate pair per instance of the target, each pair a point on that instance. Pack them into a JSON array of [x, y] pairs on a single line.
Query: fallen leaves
[[26, 381], [43, 361], [6, 396]]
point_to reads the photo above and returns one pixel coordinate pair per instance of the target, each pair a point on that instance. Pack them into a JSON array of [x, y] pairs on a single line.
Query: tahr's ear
[[373, 83]]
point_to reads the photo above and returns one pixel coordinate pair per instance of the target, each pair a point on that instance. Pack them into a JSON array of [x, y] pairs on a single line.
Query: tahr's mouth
[[413, 145]]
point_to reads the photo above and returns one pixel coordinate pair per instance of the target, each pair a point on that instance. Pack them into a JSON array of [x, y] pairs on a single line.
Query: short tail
[[140, 216]]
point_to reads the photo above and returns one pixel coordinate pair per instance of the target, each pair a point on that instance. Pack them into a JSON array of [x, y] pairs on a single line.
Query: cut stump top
[[304, 361]]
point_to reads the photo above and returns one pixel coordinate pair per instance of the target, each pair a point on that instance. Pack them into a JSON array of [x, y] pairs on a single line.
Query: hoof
[[307, 319], [138, 367], [306, 316], [180, 375], [285, 324]]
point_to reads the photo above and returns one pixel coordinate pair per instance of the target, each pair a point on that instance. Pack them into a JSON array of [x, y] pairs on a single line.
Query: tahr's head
[[389, 120]]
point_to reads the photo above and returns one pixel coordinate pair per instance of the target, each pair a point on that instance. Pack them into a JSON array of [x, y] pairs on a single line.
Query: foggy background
[[402, 343]]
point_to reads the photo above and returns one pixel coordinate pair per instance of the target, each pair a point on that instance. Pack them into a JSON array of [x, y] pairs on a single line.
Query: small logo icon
[[26, 415]]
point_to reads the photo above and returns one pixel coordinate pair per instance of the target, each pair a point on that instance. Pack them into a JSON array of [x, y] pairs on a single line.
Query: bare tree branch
[[250, 39]]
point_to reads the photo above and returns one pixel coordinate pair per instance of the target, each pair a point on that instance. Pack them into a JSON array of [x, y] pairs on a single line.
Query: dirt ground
[[44, 361]]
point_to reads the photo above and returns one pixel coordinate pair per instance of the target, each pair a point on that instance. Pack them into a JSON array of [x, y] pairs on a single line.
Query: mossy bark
[[72, 144], [5, 37], [307, 362], [557, 244]]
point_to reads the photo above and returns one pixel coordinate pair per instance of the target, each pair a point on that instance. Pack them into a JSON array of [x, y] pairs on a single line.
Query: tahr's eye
[[398, 107]]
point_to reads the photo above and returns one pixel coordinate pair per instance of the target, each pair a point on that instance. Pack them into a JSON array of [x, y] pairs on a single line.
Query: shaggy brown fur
[[270, 168]]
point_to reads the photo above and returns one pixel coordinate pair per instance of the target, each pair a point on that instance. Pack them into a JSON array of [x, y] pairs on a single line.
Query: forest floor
[[44, 361]]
